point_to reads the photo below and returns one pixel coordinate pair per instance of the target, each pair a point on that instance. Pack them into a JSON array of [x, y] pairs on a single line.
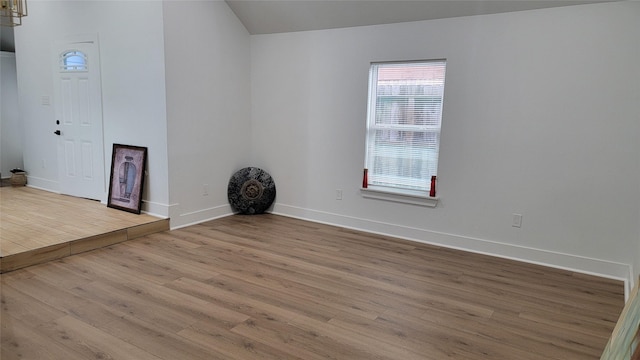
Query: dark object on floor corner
[[18, 177], [251, 191]]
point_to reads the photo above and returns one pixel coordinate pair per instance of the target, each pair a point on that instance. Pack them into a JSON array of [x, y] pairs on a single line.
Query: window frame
[[398, 192], [72, 66]]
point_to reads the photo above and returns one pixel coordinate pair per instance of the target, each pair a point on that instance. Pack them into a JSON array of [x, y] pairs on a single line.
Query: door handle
[[57, 132]]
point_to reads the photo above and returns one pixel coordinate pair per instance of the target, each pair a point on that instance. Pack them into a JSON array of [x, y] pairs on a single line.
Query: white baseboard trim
[[43, 184], [199, 216], [155, 209], [597, 267]]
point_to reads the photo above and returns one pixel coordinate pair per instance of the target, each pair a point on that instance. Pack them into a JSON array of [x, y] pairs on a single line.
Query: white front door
[[78, 107]]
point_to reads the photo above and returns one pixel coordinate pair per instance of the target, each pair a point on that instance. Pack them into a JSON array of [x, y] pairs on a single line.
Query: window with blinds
[[403, 124]]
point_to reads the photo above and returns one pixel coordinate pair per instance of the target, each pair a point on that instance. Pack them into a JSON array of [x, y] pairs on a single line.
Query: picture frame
[[128, 164]]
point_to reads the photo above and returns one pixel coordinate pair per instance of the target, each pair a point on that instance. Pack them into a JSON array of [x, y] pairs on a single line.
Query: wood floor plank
[[460, 338], [91, 342], [21, 341], [24, 308], [288, 338], [549, 338], [270, 287], [153, 340], [186, 267], [232, 346]]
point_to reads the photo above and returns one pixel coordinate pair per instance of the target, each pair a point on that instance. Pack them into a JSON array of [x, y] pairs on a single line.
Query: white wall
[[10, 124], [541, 118], [133, 84], [208, 106], [201, 94]]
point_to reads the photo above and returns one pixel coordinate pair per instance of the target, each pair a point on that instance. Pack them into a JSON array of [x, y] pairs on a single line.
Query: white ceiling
[[274, 16]]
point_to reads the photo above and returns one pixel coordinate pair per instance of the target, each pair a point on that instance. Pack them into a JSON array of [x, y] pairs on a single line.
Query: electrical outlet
[[517, 220], [205, 189], [338, 194]]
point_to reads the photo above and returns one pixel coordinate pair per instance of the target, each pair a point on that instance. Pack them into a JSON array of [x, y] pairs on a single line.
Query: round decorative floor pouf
[[251, 191]]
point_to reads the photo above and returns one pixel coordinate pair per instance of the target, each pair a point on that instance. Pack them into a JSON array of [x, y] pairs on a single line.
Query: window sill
[[401, 196]]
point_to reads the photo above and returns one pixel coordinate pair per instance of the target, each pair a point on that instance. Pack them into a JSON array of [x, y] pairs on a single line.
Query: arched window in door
[[73, 60]]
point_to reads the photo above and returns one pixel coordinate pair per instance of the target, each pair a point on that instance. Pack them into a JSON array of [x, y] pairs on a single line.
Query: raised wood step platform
[[38, 226]]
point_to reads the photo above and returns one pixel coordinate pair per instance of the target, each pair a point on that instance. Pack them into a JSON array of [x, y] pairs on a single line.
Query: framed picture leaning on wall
[[128, 164]]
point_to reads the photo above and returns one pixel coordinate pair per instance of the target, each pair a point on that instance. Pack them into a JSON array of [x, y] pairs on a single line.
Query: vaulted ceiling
[[274, 16]]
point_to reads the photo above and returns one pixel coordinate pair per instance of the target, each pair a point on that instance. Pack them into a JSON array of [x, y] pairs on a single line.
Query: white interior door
[[78, 107]]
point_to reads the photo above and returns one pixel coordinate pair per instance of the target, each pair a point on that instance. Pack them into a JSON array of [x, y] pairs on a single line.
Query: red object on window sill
[[432, 191], [365, 179]]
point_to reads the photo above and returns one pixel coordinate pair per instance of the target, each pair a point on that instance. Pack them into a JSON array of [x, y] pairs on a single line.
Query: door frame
[[99, 191]]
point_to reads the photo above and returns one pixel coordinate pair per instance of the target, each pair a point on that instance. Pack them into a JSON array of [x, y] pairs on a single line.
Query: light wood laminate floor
[[37, 226], [270, 287]]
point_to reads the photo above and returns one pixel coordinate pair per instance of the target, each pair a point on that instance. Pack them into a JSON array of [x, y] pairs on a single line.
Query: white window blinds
[[403, 123]]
